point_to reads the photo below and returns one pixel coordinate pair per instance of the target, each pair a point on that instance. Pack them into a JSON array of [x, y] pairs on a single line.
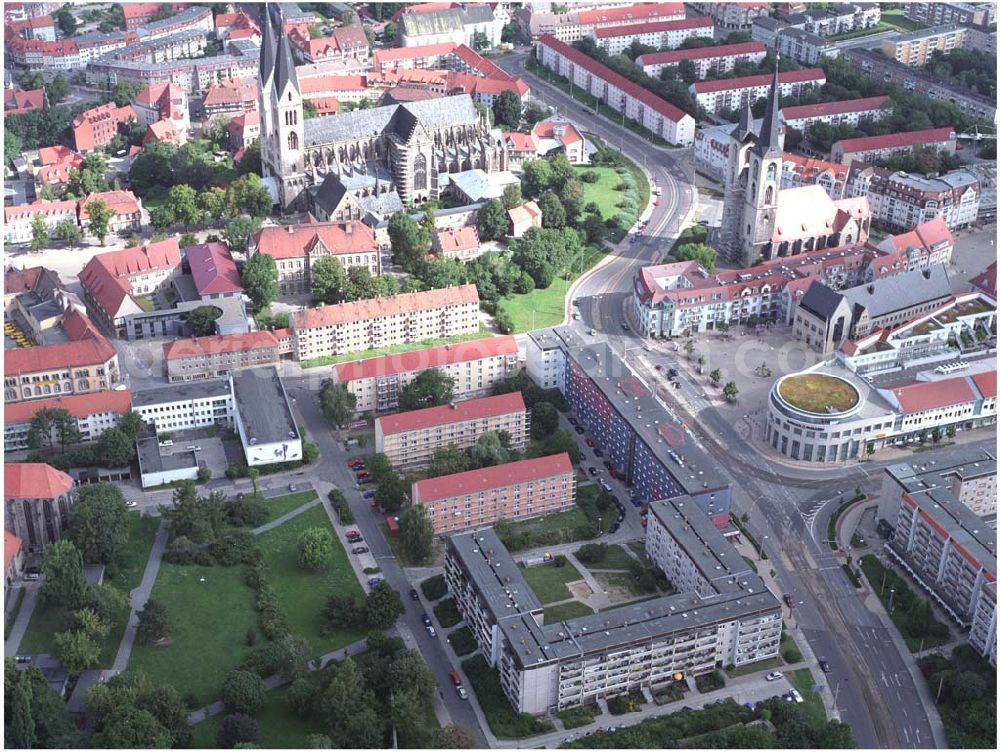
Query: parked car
[[614, 527], [607, 465], [462, 693], [658, 367], [637, 502], [374, 581], [788, 599], [368, 494], [625, 326], [572, 421], [774, 675], [671, 372], [131, 504], [426, 619], [590, 442], [362, 474], [598, 452], [431, 631], [352, 533], [824, 665], [22, 659], [32, 576], [414, 595], [455, 678], [579, 430], [194, 447], [292, 488], [359, 550]]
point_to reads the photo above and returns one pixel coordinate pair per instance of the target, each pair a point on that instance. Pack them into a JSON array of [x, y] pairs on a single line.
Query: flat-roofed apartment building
[[474, 366], [378, 322], [481, 497], [941, 543], [915, 48], [194, 405], [706, 60], [410, 439], [216, 355], [728, 618]]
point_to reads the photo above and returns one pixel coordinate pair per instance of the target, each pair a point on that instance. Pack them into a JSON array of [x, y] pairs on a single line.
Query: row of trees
[[115, 446]]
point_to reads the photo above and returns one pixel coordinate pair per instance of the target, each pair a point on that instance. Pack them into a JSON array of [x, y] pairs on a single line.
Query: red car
[[656, 203], [455, 678], [362, 475], [352, 533], [590, 443]]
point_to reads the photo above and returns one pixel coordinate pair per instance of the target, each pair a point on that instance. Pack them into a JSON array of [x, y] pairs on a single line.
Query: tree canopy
[[432, 387]]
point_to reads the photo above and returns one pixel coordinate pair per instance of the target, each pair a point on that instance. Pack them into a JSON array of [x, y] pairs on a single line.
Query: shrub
[[264, 660], [243, 691], [435, 587], [589, 176], [300, 697], [592, 553], [238, 546], [237, 729]]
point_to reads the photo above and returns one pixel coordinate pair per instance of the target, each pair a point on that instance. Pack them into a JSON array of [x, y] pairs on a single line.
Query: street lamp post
[[600, 525], [892, 594]]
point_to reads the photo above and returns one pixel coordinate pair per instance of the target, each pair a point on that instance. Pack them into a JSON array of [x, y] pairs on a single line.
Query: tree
[[315, 548], [128, 727], [417, 534], [512, 196], [252, 195], [183, 203], [20, 732], [688, 348], [68, 232], [161, 218], [489, 450], [536, 178], [595, 229], [572, 198], [410, 242], [383, 607], [592, 553], [115, 448], [76, 651], [39, 233], [154, 622], [448, 460], [553, 212], [454, 736], [715, 375], [99, 523], [66, 22], [237, 234], [329, 280], [253, 474], [432, 387], [243, 691], [237, 729], [391, 492], [337, 402], [544, 420], [492, 221], [507, 109], [91, 623], [564, 442], [699, 252], [730, 391], [99, 215], [379, 466], [260, 280], [391, 31], [64, 582], [202, 320]]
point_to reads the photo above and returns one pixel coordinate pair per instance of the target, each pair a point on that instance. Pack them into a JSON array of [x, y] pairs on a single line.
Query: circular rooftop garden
[[818, 393]]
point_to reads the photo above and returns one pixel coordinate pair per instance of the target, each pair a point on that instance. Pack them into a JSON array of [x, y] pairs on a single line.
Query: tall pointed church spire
[[746, 122], [771, 142], [267, 46], [284, 64]]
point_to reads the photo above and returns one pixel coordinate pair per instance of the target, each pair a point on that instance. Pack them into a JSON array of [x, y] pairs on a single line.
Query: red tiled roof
[[213, 268], [526, 212], [491, 477], [834, 108], [23, 100], [927, 136], [520, 142], [292, 241], [698, 22], [923, 396], [401, 303], [140, 10], [315, 84], [34, 481], [231, 92], [52, 155], [458, 239], [215, 344], [159, 94], [57, 356], [106, 276], [423, 8], [699, 53], [986, 281], [649, 99], [11, 547], [80, 406], [477, 408], [745, 82], [926, 236], [986, 382], [548, 129], [40, 207], [637, 13], [428, 358], [162, 130], [119, 202], [408, 53], [78, 326]]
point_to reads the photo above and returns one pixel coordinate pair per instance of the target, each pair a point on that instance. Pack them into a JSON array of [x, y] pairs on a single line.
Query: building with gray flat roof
[[728, 618], [187, 405], [263, 417], [159, 466]]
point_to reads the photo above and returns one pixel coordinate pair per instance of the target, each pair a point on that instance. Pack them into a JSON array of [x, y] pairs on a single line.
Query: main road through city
[[873, 687]]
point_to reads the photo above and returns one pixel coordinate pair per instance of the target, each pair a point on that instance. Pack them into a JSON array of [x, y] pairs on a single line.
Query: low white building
[[843, 112], [546, 359], [160, 464], [190, 405], [263, 417]]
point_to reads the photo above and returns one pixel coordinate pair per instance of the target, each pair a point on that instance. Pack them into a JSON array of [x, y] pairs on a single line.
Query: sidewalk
[[22, 620], [138, 599]]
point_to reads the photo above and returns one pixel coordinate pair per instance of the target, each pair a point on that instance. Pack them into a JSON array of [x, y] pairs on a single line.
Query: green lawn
[[47, 621], [400, 348], [279, 506], [210, 610], [639, 548], [616, 559], [279, 728], [895, 19], [545, 307], [145, 303], [755, 667], [604, 192], [446, 611], [549, 582], [620, 580], [813, 707], [574, 717], [462, 641], [565, 521], [789, 649], [301, 593], [565, 611]]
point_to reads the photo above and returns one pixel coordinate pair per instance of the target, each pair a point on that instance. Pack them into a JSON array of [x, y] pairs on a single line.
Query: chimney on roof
[[291, 229]]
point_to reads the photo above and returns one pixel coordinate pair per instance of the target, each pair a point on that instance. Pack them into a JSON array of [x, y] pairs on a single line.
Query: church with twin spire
[[762, 221], [354, 164]]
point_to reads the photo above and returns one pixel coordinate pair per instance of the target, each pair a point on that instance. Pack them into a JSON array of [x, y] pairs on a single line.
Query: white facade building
[[193, 405]]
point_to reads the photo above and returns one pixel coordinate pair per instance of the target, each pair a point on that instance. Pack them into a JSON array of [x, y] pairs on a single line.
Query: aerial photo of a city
[[466, 375]]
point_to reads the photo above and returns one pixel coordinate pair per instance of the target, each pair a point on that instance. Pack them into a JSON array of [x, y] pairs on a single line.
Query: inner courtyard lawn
[[549, 582]]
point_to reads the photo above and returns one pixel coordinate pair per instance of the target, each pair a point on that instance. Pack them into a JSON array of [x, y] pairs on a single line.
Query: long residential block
[[521, 489], [659, 34], [937, 537], [725, 616], [872, 148], [844, 112], [916, 48], [474, 366], [203, 358], [617, 92], [900, 200], [731, 94], [706, 60], [374, 323], [94, 413], [410, 439]]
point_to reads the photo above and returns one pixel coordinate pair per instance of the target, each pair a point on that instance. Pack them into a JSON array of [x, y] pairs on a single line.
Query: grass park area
[[615, 559], [566, 611], [279, 728], [501, 717], [145, 303], [279, 506], [574, 717], [400, 348], [549, 581], [817, 392], [813, 707], [47, 620], [604, 192]]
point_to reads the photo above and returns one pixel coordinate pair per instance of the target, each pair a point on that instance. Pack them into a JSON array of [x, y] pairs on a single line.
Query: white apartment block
[[192, 405], [845, 112], [659, 34], [706, 60], [546, 360], [410, 439], [475, 367], [18, 219], [374, 323], [731, 94]]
